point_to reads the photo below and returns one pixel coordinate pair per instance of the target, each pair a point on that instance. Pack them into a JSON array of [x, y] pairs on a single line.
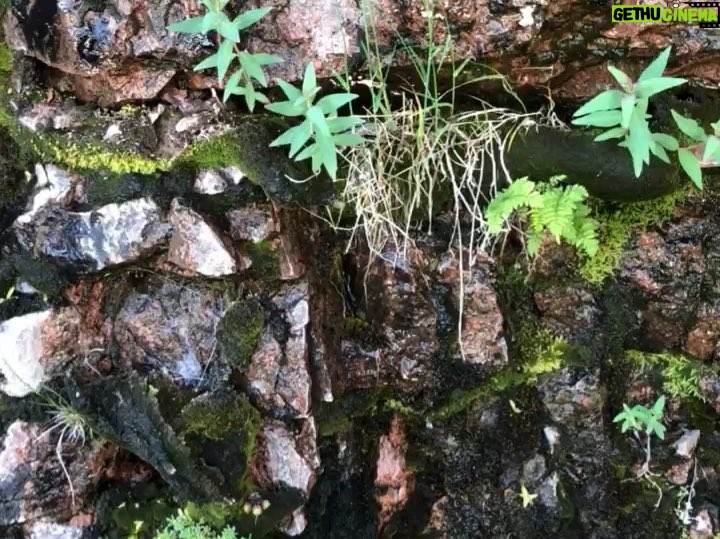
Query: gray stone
[[171, 328], [278, 376], [251, 224], [195, 247], [54, 187], [112, 235]]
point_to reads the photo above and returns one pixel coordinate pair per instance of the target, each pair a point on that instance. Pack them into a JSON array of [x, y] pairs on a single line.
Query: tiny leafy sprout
[[321, 126], [640, 417], [527, 498], [706, 151], [624, 112], [249, 66]]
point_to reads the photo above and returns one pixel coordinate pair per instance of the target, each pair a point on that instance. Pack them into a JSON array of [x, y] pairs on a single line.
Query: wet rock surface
[[225, 349]]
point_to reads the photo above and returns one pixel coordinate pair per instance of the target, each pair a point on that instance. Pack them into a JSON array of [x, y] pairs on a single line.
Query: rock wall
[[182, 330]]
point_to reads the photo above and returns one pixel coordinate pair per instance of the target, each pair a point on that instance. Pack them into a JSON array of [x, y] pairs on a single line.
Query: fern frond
[[520, 193]]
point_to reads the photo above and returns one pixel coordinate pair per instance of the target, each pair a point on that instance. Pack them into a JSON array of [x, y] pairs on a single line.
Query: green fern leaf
[[518, 194]]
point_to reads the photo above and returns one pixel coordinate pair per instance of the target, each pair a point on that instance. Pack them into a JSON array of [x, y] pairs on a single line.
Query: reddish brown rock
[[482, 338], [34, 486], [393, 482]]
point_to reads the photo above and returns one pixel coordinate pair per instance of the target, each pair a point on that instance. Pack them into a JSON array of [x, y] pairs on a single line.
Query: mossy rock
[[222, 427], [265, 261], [617, 225], [603, 168], [248, 148], [239, 331]]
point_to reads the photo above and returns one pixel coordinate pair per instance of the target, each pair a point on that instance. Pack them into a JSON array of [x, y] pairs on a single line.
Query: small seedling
[[321, 123], [527, 498], [249, 65], [624, 111], [646, 421]]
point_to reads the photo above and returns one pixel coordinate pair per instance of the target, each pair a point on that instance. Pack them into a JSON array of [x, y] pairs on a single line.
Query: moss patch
[[222, 429], [550, 354], [86, 156], [240, 330], [618, 225], [218, 417], [218, 152], [265, 261], [681, 375]]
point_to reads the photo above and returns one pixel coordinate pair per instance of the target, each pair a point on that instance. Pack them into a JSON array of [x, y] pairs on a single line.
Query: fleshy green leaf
[[316, 116], [607, 100], [658, 151], [607, 118], [211, 62], [689, 126], [656, 67], [690, 165], [296, 137], [228, 30], [348, 139], [330, 103], [211, 21], [289, 90], [651, 87], [232, 86], [264, 59], [343, 123], [251, 67], [329, 155], [615, 132], [226, 55], [627, 106], [625, 82], [666, 141], [309, 151], [309, 80], [284, 108], [250, 96], [247, 19], [193, 25], [712, 145]]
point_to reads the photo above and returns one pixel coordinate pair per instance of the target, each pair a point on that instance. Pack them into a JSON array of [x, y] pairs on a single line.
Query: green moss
[[549, 355], [618, 225], [240, 330], [217, 418], [217, 152], [87, 156], [228, 421], [265, 261], [681, 375]]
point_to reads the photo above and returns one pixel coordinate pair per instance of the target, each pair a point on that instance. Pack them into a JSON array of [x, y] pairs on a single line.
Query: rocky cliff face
[[181, 328]]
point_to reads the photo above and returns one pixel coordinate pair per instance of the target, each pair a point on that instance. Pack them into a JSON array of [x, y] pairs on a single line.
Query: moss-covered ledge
[[603, 168]]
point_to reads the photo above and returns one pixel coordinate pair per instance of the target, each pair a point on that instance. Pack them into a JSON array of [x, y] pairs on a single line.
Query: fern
[[550, 207], [182, 526], [519, 193]]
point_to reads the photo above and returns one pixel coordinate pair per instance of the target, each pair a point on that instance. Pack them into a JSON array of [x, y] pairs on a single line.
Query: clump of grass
[[72, 426], [423, 153], [423, 150]]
